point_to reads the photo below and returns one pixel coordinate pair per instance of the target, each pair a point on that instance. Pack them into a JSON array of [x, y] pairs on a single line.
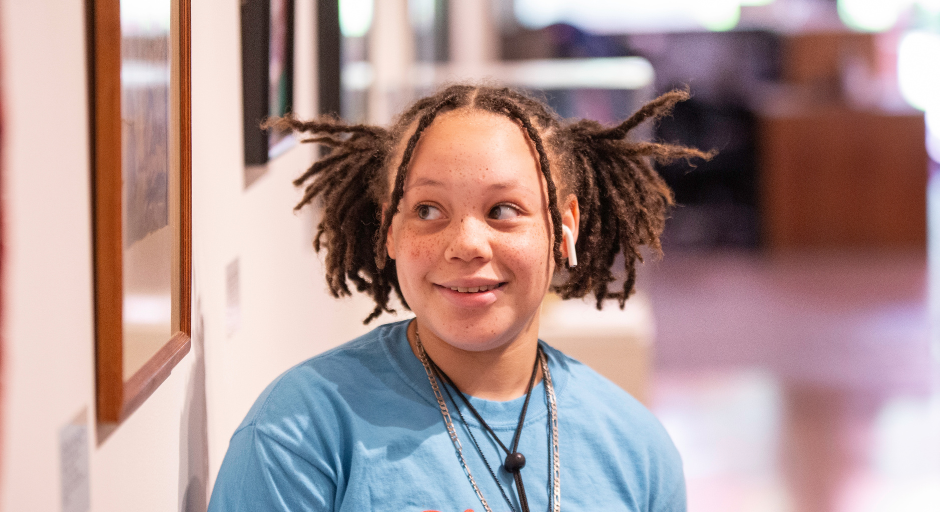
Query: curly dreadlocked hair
[[623, 201]]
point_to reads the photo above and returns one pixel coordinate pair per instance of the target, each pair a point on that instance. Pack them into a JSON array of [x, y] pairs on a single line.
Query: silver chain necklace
[[445, 413]]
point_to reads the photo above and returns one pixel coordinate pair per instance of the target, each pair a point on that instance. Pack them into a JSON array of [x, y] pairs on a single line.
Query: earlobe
[[390, 246]]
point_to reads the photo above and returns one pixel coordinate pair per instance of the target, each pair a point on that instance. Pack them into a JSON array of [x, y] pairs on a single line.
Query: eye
[[504, 212], [427, 212]]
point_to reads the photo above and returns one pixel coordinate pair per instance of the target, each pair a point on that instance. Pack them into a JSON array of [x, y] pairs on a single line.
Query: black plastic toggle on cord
[[514, 462]]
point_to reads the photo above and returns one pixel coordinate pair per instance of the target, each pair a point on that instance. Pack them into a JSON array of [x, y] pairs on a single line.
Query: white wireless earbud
[[569, 244]]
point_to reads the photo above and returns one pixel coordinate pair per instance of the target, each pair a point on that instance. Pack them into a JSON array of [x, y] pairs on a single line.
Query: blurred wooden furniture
[[834, 177], [838, 171], [818, 59]]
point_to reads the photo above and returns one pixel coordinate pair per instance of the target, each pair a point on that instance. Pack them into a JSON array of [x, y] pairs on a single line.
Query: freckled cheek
[[419, 250], [528, 253]]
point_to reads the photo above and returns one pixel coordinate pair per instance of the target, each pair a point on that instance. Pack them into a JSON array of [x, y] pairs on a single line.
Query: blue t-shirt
[[358, 428]]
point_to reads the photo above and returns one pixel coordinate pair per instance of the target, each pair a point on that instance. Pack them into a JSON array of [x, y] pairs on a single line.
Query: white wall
[[47, 291], [287, 315], [166, 455]]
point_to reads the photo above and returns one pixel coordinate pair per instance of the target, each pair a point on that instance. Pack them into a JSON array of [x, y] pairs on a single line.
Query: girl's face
[[472, 241]]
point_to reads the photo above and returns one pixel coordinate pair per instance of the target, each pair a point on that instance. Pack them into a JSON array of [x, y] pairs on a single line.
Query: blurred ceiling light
[[539, 13], [931, 6], [600, 73], [919, 69], [616, 73], [355, 17], [717, 15], [619, 16], [871, 15], [421, 13]]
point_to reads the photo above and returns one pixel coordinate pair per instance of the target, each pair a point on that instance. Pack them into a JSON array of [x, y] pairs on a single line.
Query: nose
[[469, 240]]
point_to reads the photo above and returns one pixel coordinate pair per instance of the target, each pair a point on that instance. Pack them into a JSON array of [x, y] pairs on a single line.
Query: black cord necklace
[[515, 460], [479, 450]]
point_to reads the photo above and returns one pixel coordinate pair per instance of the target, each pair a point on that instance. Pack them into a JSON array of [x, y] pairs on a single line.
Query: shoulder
[[616, 428], [601, 399], [293, 448], [586, 386]]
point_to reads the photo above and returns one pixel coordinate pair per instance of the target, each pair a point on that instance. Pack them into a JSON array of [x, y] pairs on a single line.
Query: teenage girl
[[474, 204]]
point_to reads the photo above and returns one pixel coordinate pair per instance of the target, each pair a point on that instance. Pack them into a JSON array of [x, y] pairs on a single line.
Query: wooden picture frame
[[267, 77], [141, 161]]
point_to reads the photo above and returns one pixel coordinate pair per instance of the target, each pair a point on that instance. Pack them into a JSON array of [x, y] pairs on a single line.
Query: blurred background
[[787, 338]]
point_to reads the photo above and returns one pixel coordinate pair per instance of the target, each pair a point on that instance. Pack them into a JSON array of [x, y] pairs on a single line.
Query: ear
[[389, 239], [570, 217]]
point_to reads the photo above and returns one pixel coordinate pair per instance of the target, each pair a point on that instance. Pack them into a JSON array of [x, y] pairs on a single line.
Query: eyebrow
[[425, 182], [429, 182]]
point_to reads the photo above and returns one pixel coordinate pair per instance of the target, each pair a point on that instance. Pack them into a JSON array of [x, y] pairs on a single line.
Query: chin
[[474, 344], [477, 335]]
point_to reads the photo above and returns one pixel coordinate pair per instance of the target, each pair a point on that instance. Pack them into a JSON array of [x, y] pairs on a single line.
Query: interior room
[[786, 337]]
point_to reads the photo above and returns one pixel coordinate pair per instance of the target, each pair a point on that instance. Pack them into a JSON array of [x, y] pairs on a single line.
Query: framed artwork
[[140, 74], [267, 76]]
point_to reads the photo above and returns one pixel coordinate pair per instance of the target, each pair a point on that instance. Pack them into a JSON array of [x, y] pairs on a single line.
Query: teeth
[[473, 290]]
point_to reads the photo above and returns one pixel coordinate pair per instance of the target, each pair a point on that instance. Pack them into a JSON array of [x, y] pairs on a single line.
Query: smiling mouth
[[475, 289]]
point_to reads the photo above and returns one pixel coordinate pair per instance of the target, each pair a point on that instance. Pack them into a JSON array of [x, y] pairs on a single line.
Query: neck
[[499, 374]]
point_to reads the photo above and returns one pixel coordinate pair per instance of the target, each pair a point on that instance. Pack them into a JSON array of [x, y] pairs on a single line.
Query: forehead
[[474, 145]]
